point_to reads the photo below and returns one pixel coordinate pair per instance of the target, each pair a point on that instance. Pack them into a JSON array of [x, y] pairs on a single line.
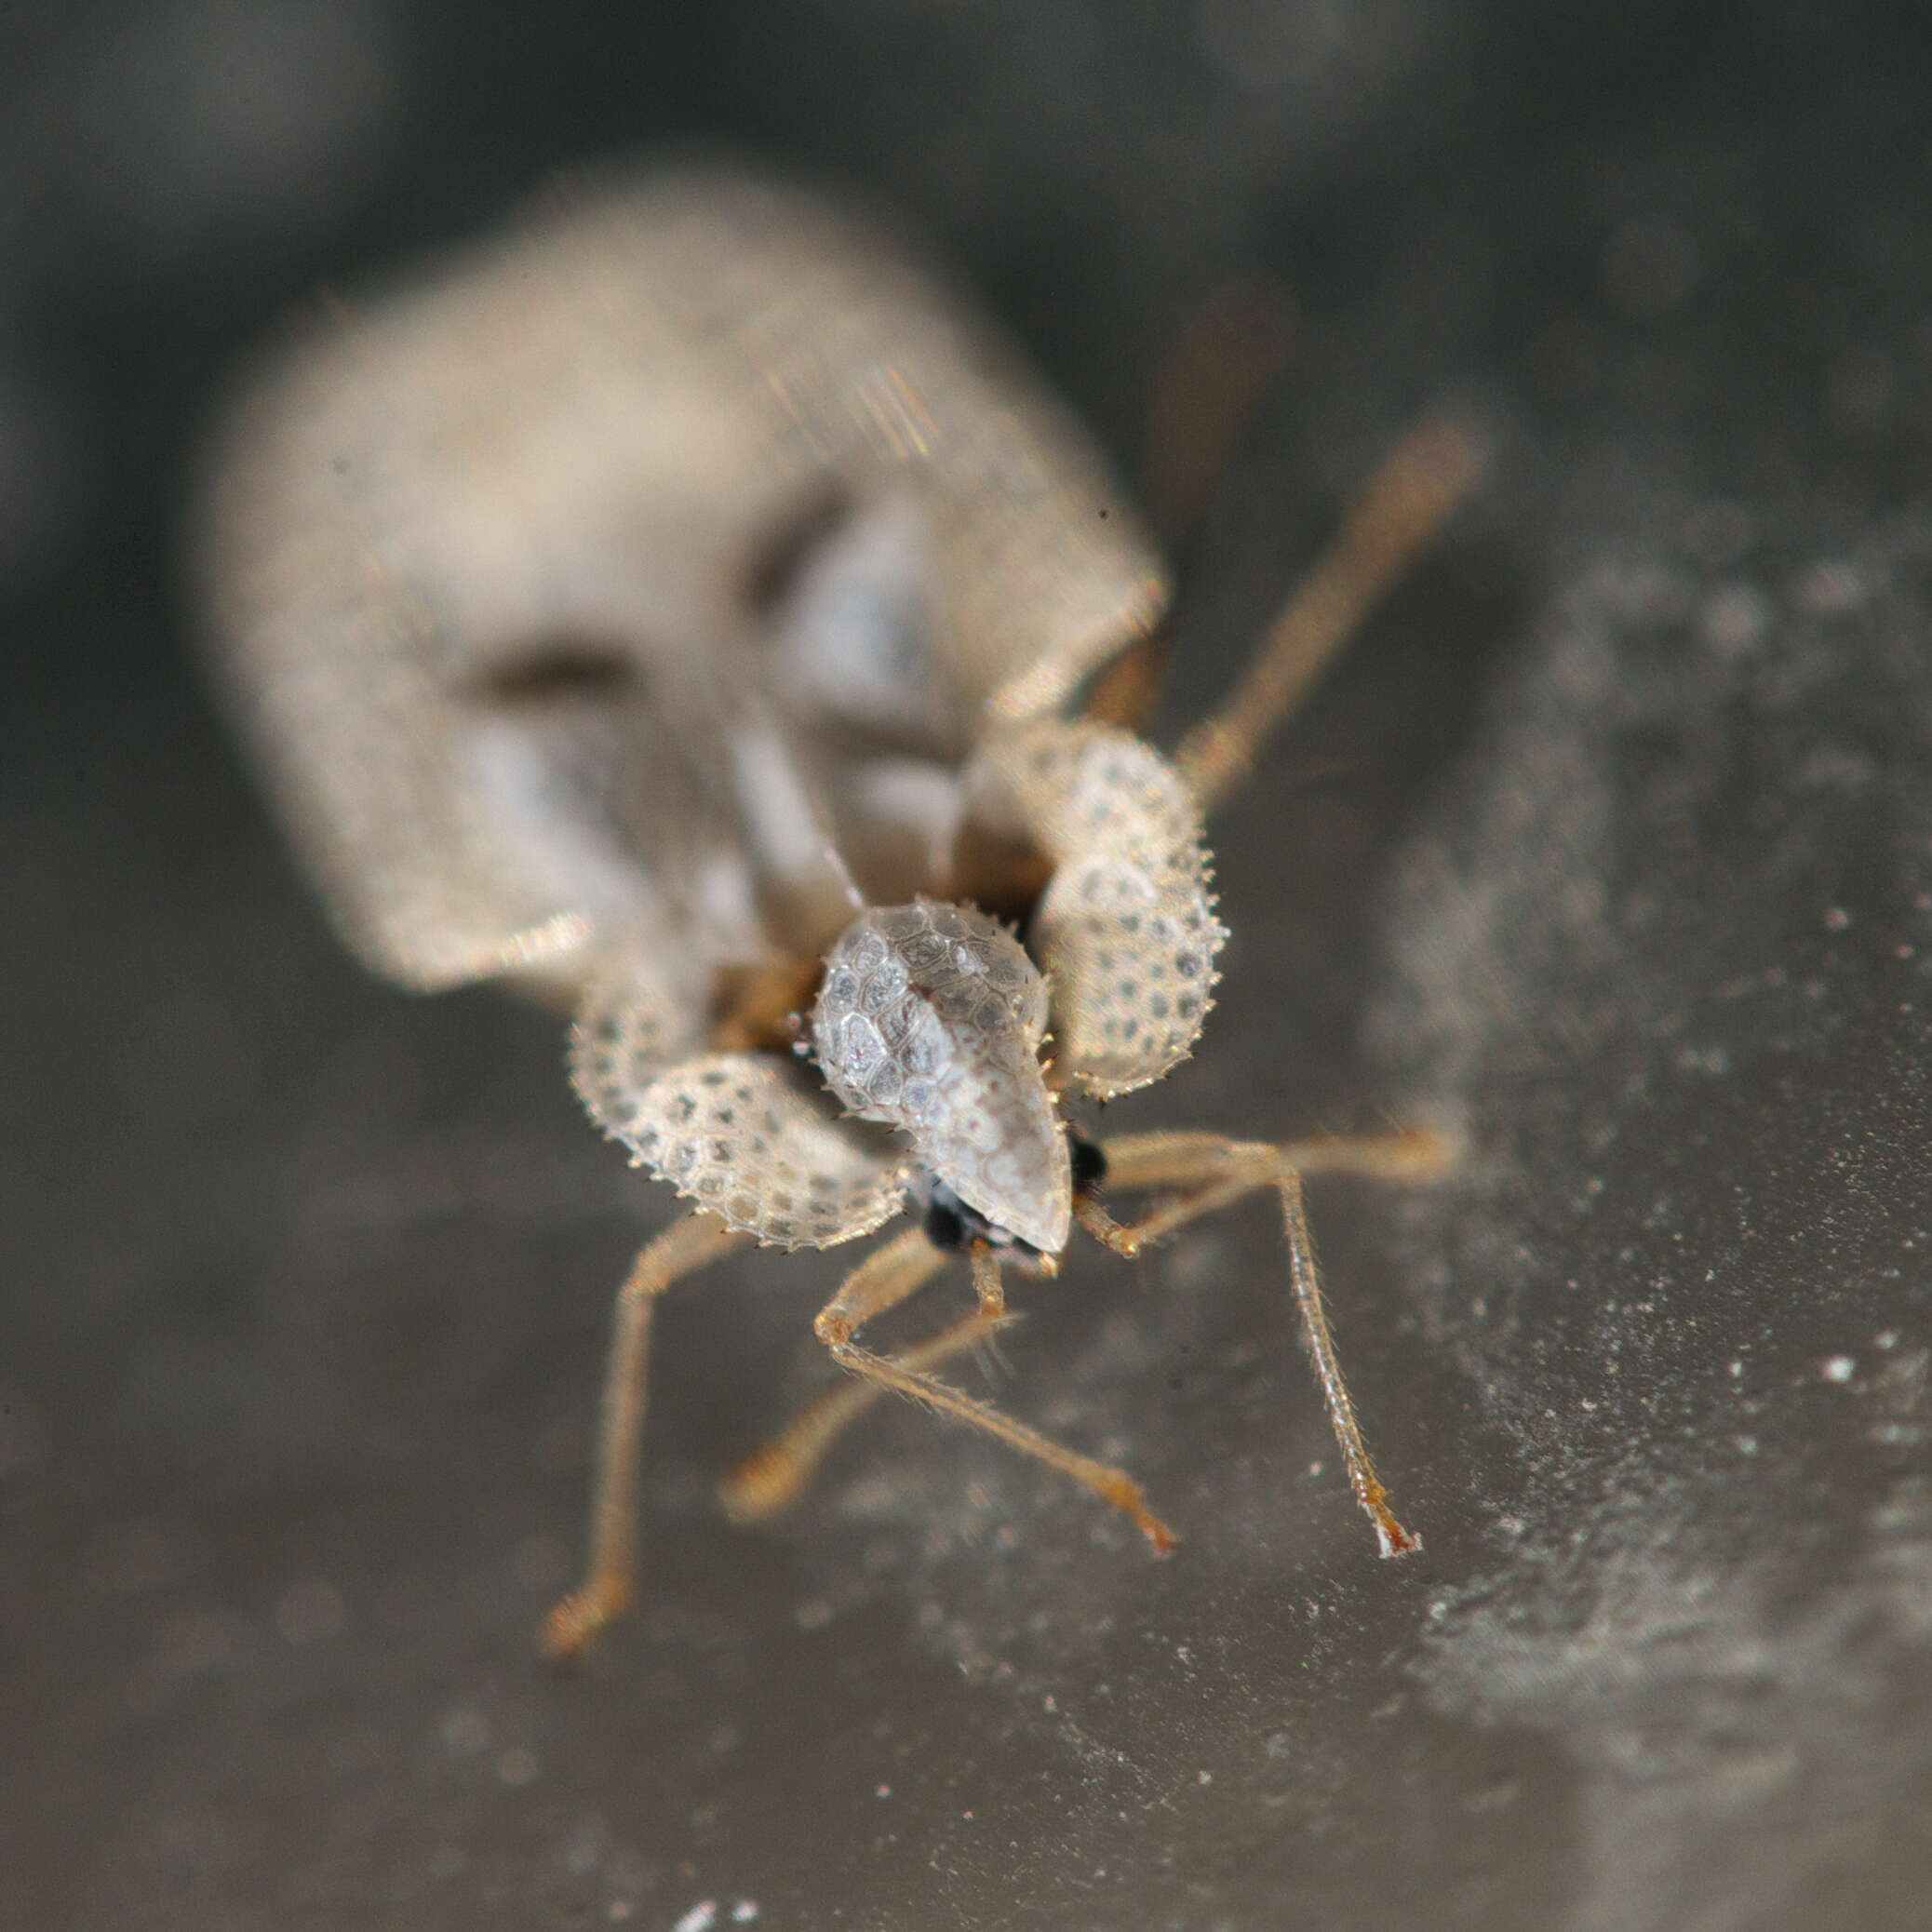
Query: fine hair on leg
[[609, 1581], [887, 1278], [1218, 1171], [772, 1478], [773, 1475]]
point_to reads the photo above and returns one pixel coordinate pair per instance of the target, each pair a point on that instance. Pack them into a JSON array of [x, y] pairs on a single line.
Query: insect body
[[681, 610]]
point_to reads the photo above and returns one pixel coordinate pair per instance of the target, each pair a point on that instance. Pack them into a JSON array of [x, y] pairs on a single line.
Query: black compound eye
[[1089, 1163], [946, 1226]]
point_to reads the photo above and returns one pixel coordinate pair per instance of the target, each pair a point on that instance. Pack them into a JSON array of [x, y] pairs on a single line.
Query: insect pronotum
[[686, 609]]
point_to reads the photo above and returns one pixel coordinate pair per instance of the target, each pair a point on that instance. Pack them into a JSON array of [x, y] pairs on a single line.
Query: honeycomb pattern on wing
[[929, 1018], [899, 987], [735, 1133], [630, 1024], [1126, 926]]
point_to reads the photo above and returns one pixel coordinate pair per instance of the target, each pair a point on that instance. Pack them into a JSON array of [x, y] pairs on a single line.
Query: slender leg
[[1141, 1160], [1220, 1172], [988, 1288], [610, 1578], [886, 1277], [772, 1480], [1407, 502], [773, 1477], [889, 1277]]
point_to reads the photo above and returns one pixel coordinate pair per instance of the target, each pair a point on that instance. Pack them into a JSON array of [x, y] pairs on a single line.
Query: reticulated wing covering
[[1125, 929], [476, 551], [741, 1135]]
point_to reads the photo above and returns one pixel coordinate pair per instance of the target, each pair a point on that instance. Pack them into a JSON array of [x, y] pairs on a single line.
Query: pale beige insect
[[683, 606]]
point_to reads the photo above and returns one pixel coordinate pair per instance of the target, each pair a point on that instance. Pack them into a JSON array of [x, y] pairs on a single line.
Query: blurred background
[[1610, 843]]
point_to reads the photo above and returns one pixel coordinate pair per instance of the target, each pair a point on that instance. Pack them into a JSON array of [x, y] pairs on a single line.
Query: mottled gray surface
[[1611, 843]]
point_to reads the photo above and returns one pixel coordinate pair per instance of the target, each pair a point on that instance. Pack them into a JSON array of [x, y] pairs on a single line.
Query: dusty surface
[[1611, 844]]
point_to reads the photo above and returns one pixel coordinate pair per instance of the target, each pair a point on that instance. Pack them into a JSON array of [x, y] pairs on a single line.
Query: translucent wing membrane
[[1126, 930], [489, 556]]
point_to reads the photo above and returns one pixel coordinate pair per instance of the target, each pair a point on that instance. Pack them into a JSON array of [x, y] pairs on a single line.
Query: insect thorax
[[930, 1019]]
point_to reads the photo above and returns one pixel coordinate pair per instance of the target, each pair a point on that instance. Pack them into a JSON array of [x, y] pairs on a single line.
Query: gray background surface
[[1611, 843]]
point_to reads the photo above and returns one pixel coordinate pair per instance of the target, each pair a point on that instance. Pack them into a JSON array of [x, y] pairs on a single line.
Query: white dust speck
[[1838, 1368], [700, 1918]]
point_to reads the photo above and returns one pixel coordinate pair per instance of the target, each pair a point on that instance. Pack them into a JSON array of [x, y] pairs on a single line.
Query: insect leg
[[610, 1578], [988, 1289], [773, 1477], [837, 1328], [882, 1281], [1407, 502], [1220, 1172]]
